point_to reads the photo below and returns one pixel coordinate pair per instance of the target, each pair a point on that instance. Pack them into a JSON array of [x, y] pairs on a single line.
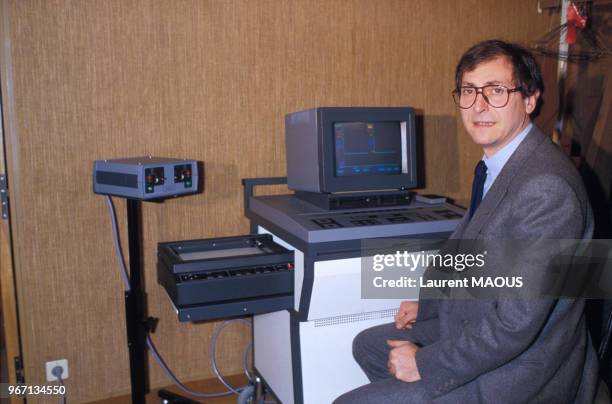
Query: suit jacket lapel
[[499, 188], [457, 234]]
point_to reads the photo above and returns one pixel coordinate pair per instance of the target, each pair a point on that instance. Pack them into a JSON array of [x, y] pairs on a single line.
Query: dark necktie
[[480, 175]]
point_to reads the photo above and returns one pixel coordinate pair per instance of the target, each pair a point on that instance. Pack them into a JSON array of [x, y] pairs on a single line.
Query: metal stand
[[249, 185], [258, 396], [137, 324]]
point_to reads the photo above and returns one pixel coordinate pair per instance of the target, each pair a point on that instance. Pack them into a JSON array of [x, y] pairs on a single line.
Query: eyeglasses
[[495, 95]]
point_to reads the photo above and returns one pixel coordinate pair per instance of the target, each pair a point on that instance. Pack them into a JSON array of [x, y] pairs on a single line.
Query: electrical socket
[[51, 364]]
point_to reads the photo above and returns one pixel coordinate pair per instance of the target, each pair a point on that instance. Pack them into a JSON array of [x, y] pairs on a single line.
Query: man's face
[[493, 128]]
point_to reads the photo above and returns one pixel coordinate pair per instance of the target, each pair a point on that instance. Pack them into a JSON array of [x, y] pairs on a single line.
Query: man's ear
[[531, 102]]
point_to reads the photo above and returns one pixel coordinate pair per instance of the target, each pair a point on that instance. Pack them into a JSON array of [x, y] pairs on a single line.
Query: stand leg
[[258, 396], [135, 308], [167, 397]]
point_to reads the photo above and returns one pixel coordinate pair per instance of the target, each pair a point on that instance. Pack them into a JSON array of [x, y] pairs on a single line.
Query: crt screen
[[367, 148]]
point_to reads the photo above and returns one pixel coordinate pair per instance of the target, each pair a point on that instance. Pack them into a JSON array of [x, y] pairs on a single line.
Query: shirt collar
[[496, 162]]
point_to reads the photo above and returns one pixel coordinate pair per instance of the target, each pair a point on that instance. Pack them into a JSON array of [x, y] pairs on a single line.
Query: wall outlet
[[51, 364]]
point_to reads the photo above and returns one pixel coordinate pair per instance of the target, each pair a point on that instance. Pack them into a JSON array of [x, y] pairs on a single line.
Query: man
[[495, 350]]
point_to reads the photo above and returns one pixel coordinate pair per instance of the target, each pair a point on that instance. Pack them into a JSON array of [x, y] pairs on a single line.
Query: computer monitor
[[344, 149]]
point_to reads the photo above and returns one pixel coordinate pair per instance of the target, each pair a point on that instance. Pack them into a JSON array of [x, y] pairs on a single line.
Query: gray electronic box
[[146, 177]]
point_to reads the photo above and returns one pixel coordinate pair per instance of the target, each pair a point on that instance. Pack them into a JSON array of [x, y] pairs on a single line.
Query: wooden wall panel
[[209, 80]]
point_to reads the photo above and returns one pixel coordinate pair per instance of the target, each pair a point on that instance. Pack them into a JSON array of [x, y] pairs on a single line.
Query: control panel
[[145, 177], [413, 215], [312, 224]]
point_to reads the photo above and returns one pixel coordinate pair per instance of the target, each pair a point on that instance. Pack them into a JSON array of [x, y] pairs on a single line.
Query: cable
[[213, 350], [126, 278], [63, 399], [186, 390], [172, 377], [57, 372], [183, 388], [245, 360]]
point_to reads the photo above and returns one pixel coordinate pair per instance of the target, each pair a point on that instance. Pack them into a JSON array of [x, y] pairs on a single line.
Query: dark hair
[[526, 70]]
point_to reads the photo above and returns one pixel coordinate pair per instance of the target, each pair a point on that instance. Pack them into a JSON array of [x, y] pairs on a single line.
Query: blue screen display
[[368, 148]]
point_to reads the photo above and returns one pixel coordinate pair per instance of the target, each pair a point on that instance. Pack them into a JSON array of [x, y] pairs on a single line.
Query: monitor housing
[[351, 149]]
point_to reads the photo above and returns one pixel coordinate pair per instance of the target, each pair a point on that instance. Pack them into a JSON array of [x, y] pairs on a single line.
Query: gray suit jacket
[[515, 350]]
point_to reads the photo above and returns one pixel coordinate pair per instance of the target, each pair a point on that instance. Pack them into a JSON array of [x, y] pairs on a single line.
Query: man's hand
[[402, 361], [406, 315]]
